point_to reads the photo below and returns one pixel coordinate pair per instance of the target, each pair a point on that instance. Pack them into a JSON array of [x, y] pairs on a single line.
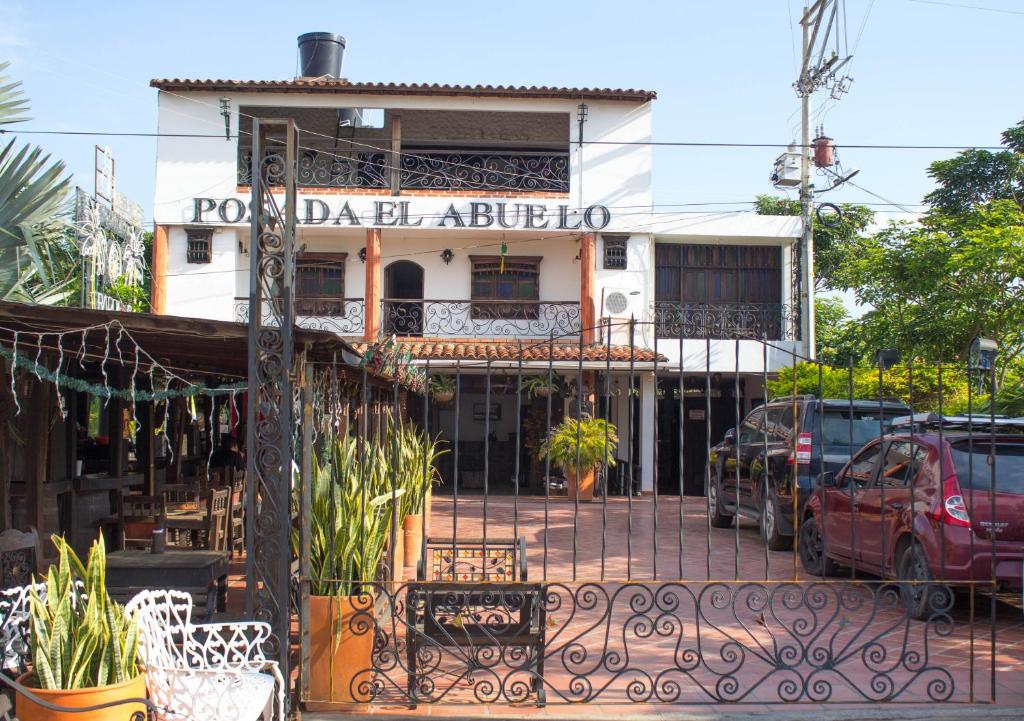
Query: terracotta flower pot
[[581, 487], [444, 396], [398, 570], [427, 509], [341, 648], [26, 709], [412, 528]]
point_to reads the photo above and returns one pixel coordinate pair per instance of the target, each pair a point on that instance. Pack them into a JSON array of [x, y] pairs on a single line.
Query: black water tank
[[321, 54]]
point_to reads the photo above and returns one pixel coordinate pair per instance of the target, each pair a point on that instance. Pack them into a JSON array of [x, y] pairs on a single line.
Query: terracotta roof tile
[[336, 85], [509, 351]]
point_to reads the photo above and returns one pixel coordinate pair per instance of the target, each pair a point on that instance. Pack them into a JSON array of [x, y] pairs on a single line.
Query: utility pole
[[806, 198], [823, 28]]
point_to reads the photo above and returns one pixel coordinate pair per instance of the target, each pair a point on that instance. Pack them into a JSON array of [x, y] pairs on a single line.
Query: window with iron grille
[[199, 243], [614, 252], [512, 292], [320, 284], [717, 273]]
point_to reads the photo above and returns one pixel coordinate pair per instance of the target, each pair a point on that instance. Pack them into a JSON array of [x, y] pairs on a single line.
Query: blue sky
[[925, 73]]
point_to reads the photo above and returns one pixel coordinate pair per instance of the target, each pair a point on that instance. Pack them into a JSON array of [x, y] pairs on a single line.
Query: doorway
[[403, 299]]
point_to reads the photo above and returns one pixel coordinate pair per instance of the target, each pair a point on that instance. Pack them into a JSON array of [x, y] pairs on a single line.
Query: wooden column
[[394, 157], [587, 284], [40, 406], [158, 302], [372, 310]]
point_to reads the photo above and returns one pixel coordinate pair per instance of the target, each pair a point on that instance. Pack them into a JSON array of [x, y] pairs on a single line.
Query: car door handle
[[895, 506]]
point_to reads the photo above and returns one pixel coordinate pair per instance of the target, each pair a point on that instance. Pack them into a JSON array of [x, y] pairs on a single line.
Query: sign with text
[[414, 213]]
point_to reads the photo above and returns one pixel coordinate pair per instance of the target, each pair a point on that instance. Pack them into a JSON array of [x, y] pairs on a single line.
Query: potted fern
[[579, 447], [83, 647], [539, 387], [442, 388]]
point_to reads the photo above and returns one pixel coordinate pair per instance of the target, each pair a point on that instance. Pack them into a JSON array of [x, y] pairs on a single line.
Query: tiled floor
[[691, 641]]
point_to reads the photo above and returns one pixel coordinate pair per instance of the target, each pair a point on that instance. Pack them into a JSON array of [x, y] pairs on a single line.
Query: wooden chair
[[179, 493], [204, 528], [137, 518], [236, 515], [18, 557]]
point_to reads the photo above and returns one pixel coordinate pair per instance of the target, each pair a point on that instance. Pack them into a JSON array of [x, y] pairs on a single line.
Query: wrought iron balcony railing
[[434, 169], [480, 318], [343, 316], [729, 321]]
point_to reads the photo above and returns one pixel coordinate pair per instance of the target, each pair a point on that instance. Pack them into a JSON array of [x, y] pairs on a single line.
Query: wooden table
[[201, 573]]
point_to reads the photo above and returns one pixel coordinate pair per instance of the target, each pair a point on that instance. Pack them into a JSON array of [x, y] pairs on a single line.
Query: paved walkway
[[718, 631]]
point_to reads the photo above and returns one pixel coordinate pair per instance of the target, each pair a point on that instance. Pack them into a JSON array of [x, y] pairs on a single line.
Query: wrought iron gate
[[638, 598]]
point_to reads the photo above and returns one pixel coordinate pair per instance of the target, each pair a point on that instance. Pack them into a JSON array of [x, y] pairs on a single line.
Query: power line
[[968, 7], [666, 143]]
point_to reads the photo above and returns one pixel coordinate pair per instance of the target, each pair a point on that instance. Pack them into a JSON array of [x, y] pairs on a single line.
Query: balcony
[[480, 318], [343, 316], [727, 321], [325, 166]]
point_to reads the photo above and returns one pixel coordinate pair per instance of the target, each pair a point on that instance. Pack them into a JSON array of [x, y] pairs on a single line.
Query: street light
[[886, 358], [983, 354]]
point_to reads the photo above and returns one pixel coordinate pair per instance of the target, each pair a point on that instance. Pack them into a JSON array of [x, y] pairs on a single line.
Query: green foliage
[[538, 385], [975, 177], [33, 191], [831, 244], [352, 510], [442, 384], [937, 285], [134, 297], [837, 336], [896, 384], [79, 637], [589, 435]]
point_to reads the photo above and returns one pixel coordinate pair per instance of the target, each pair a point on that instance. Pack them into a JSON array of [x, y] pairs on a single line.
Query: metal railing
[[343, 316], [728, 321], [480, 318], [325, 166]]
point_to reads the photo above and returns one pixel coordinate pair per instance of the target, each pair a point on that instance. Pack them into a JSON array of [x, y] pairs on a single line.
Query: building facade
[[485, 228]]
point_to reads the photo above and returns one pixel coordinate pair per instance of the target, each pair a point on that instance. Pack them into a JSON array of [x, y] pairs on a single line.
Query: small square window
[[199, 245], [614, 252]]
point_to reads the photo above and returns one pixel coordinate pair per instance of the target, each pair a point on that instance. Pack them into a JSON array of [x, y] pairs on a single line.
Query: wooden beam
[[394, 159], [39, 407]]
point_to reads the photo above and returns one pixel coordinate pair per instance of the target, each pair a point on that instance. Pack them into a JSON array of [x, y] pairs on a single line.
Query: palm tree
[[37, 263]]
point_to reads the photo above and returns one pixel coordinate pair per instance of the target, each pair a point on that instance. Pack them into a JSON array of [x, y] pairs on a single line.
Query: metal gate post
[[269, 412]]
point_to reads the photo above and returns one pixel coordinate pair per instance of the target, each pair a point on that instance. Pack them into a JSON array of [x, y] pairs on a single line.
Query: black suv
[[764, 445]]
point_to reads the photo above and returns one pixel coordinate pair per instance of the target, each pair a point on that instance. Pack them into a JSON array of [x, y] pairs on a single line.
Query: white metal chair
[[14, 608], [204, 671]]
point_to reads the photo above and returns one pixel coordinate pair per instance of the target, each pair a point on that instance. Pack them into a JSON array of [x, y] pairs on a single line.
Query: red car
[[917, 506]]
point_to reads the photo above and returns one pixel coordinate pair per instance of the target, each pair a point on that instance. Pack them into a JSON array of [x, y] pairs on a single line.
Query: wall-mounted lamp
[[225, 111], [362, 255], [886, 358], [447, 255], [243, 249]]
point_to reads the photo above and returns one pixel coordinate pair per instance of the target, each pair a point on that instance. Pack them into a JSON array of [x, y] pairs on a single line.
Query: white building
[[472, 223]]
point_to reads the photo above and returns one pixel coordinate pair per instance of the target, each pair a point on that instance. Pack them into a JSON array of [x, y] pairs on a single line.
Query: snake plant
[[80, 638]]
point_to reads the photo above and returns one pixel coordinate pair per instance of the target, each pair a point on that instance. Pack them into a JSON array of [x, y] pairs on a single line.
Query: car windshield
[[973, 469], [837, 424]]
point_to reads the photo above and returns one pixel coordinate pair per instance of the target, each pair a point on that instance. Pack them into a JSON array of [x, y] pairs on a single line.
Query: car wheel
[[770, 521], [812, 550], [718, 518], [922, 599]]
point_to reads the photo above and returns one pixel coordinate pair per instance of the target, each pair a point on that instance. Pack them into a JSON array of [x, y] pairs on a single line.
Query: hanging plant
[[442, 388], [539, 386]]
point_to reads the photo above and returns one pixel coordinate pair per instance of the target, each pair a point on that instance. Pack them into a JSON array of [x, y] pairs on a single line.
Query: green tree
[[937, 285], [837, 336], [36, 261], [975, 177], [831, 242]]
